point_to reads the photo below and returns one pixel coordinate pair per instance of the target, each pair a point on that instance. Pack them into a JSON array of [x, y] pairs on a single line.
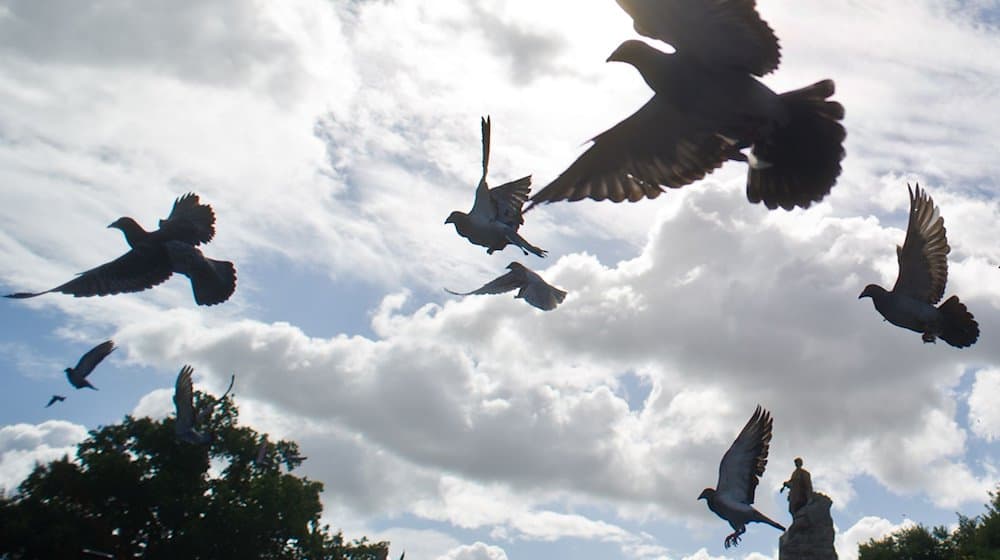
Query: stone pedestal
[[811, 535]]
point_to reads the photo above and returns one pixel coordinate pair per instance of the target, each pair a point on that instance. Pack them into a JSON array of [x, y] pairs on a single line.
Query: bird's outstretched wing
[[513, 280], [212, 281], [923, 258], [717, 32], [657, 145], [55, 399], [134, 271], [184, 401], [508, 199], [743, 465], [482, 205], [93, 357], [189, 221]]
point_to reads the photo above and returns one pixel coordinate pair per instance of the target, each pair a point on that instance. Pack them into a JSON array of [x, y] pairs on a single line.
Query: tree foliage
[[135, 491], [975, 538]]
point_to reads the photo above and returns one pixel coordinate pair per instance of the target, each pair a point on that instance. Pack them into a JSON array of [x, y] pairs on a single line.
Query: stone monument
[[810, 537]]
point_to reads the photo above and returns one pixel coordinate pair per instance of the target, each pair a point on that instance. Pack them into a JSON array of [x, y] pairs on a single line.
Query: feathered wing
[[184, 401], [744, 462], [513, 280], [657, 145], [189, 221], [508, 199], [135, 271], [212, 281], [93, 357], [717, 32], [482, 206], [923, 258]]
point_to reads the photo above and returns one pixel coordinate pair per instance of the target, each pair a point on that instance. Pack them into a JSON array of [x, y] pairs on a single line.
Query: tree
[[135, 491], [975, 538]]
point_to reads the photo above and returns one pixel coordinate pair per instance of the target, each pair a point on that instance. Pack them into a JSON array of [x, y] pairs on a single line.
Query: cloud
[[22, 446], [984, 416], [475, 551], [865, 529]]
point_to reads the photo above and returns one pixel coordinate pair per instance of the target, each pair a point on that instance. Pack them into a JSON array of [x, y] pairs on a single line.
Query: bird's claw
[[928, 337], [732, 540]]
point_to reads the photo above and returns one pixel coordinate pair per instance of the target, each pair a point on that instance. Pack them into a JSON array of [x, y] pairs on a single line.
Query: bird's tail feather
[[799, 162], [959, 328], [765, 519]]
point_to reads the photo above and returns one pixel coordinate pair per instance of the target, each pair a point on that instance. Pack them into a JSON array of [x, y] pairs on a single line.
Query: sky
[[333, 139]]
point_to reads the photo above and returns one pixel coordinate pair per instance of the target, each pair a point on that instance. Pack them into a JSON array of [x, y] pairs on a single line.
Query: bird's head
[[872, 290], [515, 266], [455, 217], [69, 371], [123, 223], [706, 494], [631, 51]]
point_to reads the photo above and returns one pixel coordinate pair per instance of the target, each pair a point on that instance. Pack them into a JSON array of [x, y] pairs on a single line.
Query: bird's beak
[[111, 225]]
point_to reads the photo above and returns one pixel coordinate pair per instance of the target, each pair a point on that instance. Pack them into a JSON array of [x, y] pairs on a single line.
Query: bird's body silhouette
[[530, 287], [707, 107], [923, 273], [496, 214], [77, 376], [188, 420], [55, 399], [155, 255], [739, 472]]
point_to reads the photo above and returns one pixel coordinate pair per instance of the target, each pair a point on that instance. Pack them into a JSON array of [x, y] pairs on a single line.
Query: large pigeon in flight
[[707, 108], [496, 213], [529, 285], [156, 255], [923, 272], [739, 472]]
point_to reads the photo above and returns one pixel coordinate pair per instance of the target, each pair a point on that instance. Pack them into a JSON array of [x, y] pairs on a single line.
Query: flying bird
[[262, 459], [529, 285], [739, 472], [155, 255], [496, 213], [923, 273], [187, 420], [55, 399], [77, 376], [706, 109]]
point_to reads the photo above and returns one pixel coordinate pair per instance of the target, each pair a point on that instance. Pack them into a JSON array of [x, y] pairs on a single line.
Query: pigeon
[[529, 285], [77, 376], [923, 273], [496, 213], [156, 255], [262, 459], [706, 109], [184, 427], [739, 472], [55, 399]]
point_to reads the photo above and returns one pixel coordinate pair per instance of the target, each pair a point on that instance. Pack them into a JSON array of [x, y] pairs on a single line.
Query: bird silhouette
[[739, 472], [77, 376], [496, 213], [155, 255], [55, 399], [185, 427], [706, 109], [529, 285], [923, 273]]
